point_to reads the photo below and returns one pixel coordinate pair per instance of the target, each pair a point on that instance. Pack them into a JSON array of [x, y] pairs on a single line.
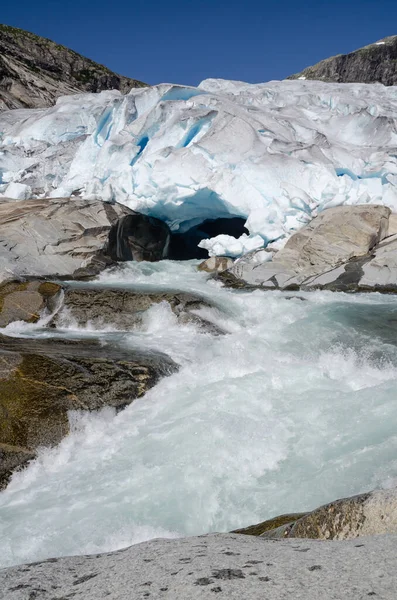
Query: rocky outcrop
[[271, 524], [371, 64], [222, 566], [26, 301], [40, 380], [373, 513], [138, 237], [35, 71], [98, 305], [123, 308], [216, 264], [346, 248], [73, 238]]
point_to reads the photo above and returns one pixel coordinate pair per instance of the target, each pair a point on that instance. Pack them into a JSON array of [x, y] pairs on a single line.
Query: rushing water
[[293, 407]]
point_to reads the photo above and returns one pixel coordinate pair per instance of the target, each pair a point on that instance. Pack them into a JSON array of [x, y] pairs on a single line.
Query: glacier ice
[[273, 153]]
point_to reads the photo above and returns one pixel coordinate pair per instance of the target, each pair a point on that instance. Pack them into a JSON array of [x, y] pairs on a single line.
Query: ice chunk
[[226, 245], [17, 191]]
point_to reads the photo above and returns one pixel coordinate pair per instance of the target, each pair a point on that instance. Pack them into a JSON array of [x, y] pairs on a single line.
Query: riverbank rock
[[73, 238], [138, 237], [373, 513], [216, 264], [270, 524], [123, 308], [222, 566], [329, 253], [26, 301], [41, 380]]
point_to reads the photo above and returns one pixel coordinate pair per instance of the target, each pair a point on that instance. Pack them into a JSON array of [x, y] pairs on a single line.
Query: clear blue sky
[[184, 42]]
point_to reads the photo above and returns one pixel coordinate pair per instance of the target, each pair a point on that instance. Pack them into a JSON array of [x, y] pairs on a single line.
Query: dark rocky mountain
[[35, 71], [371, 64]]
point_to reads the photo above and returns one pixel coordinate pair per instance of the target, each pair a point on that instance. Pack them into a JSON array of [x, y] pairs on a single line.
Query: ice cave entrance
[[184, 246]]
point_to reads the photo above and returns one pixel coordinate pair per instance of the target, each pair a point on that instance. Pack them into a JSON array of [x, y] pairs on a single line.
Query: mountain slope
[[35, 71], [371, 64]]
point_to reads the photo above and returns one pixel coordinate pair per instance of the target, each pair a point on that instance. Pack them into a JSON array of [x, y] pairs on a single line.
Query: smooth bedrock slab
[[233, 567]]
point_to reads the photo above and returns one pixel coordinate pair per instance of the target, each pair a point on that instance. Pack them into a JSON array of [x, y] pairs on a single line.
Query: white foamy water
[[293, 407]]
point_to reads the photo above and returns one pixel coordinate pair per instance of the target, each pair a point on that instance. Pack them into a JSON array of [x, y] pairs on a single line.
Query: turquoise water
[[293, 407]]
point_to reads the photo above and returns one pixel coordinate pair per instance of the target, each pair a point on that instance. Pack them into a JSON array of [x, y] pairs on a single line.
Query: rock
[[373, 513], [270, 524], [216, 264], [375, 272], [138, 237], [35, 71], [40, 380], [321, 248], [26, 301], [371, 64], [124, 309], [223, 566], [12, 458], [72, 237]]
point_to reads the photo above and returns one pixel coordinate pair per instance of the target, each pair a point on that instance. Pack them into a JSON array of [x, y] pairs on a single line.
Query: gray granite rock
[[73, 238], [223, 566], [334, 251]]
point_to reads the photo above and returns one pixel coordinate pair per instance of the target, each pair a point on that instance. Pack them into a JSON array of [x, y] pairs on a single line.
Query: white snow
[[273, 153]]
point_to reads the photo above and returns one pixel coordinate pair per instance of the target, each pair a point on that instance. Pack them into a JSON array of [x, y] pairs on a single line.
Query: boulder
[[377, 271], [373, 513], [123, 308], [73, 238], [41, 380], [216, 264], [315, 256], [26, 301], [138, 237]]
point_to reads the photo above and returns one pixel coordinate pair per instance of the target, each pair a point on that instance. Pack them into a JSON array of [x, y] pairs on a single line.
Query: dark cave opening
[[183, 246]]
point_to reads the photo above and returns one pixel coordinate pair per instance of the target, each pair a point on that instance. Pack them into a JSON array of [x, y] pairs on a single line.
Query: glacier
[[273, 154]]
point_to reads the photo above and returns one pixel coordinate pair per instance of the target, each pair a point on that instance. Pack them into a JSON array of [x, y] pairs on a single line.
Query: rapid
[[295, 405]]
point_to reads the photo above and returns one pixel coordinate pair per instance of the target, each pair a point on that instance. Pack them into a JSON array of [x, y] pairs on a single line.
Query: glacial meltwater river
[[294, 406]]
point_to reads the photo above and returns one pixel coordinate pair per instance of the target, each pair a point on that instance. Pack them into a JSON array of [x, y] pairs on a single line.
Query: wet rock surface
[[26, 301], [215, 566], [138, 237], [124, 309], [41, 380], [216, 264]]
